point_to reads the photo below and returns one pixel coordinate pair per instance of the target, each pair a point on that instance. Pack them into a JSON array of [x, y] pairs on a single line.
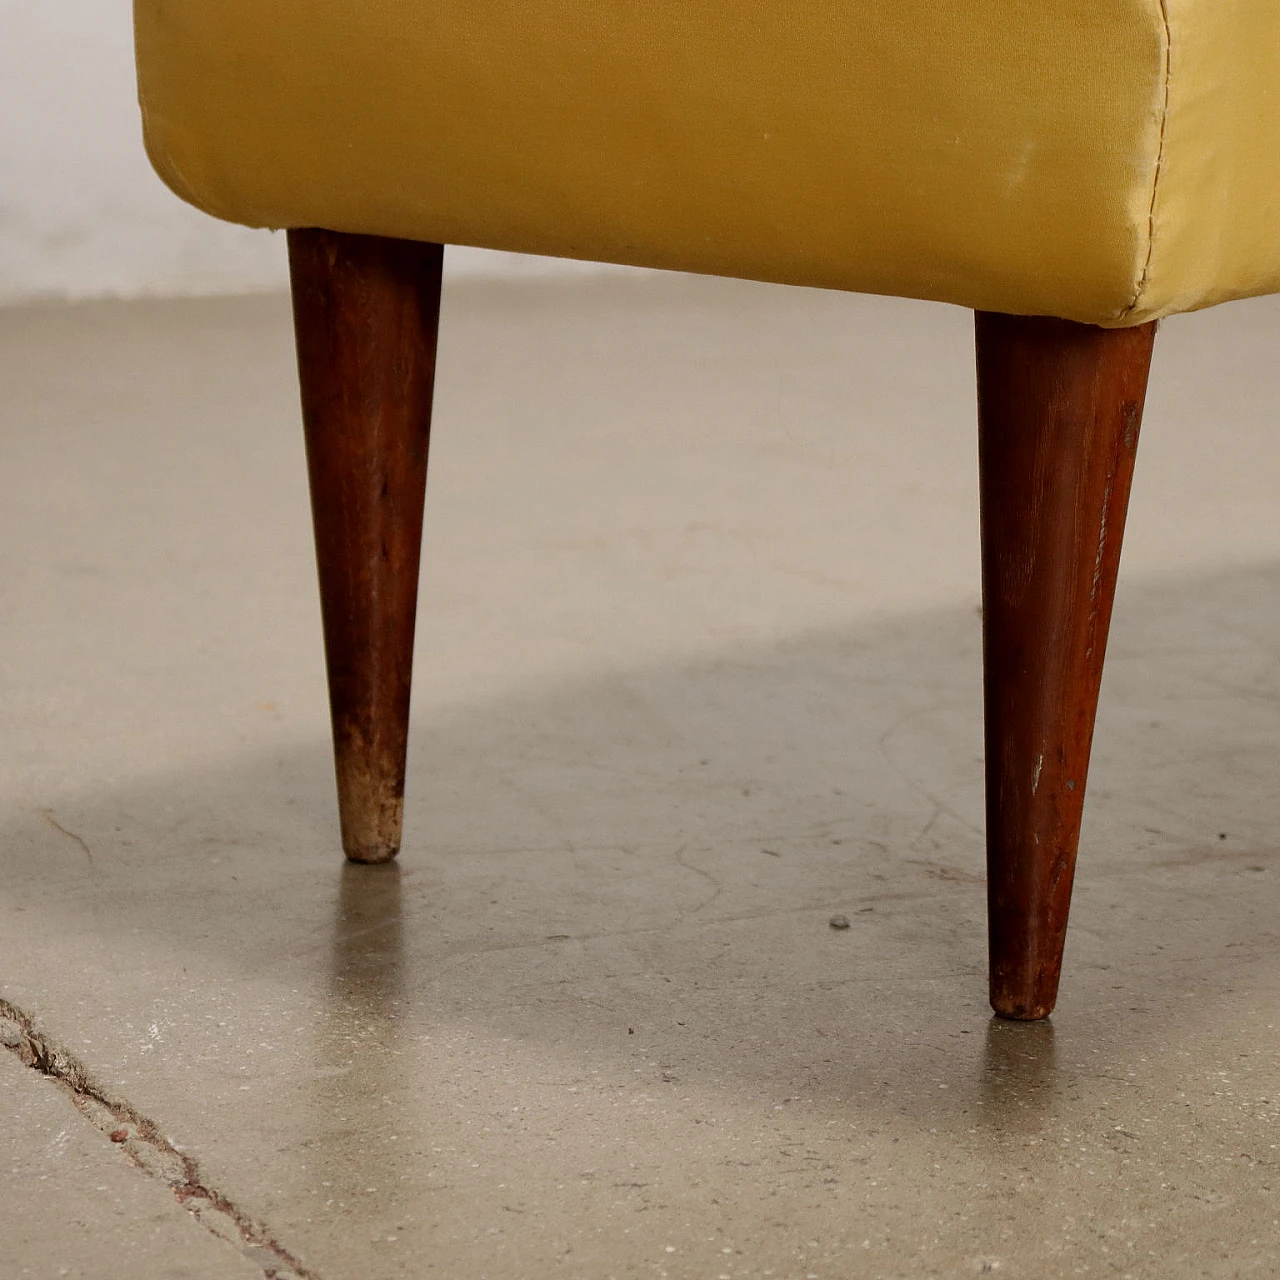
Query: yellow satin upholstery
[[1102, 160]]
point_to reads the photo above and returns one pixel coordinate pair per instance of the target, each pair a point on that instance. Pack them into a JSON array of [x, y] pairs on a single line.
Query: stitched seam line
[[1155, 178]]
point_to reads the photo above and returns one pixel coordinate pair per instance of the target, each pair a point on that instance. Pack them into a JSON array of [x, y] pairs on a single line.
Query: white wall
[[81, 213]]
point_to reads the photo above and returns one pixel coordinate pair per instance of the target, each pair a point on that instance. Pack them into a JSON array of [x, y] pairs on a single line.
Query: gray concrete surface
[[698, 667]]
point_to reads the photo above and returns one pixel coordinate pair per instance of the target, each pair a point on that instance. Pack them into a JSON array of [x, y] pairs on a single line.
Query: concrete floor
[[698, 667]]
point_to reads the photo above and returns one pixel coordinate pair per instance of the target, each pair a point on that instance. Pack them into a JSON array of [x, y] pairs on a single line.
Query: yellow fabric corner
[[1000, 154], [1216, 213]]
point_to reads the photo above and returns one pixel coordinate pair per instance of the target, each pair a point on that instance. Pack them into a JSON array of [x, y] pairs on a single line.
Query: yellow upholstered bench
[[1071, 170]]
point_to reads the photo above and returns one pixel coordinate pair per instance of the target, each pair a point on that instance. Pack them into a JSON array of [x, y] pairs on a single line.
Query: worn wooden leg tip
[[1020, 1006], [370, 772], [371, 828], [368, 854]]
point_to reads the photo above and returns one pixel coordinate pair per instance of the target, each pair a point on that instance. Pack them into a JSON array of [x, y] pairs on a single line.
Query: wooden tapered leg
[[366, 311], [1059, 407]]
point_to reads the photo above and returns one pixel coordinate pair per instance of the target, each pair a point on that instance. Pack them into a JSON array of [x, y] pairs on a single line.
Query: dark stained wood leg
[[366, 311], [1059, 407]]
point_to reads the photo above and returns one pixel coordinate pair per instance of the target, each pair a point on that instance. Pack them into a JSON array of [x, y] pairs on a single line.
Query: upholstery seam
[[1155, 178]]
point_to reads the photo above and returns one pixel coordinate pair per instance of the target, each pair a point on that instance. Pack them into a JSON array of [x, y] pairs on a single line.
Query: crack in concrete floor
[[146, 1148]]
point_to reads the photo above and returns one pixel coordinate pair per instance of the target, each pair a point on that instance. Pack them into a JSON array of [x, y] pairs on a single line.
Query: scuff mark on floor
[[716, 887], [71, 835], [146, 1148]]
